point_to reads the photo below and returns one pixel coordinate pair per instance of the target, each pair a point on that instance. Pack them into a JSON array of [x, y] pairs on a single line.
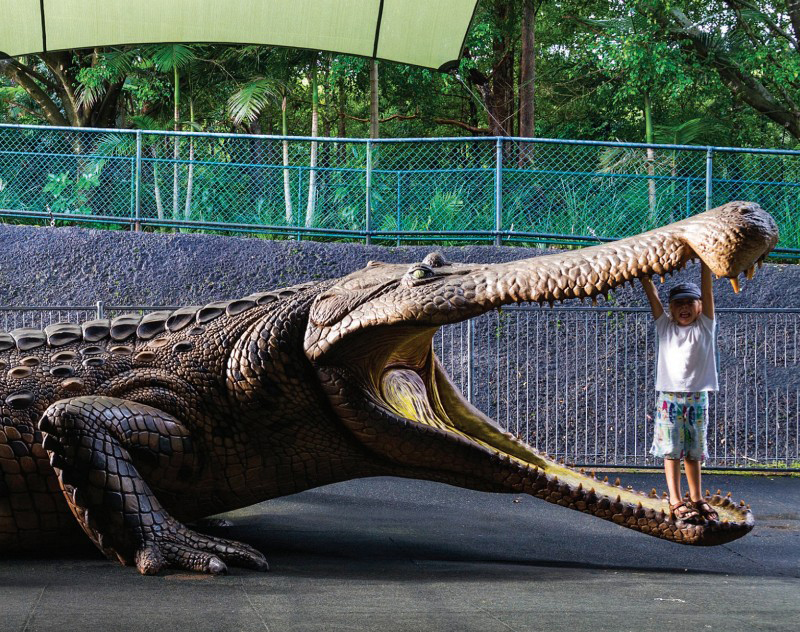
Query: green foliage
[[69, 194]]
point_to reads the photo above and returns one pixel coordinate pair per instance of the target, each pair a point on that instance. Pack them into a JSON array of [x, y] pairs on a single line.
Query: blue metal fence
[[391, 190]]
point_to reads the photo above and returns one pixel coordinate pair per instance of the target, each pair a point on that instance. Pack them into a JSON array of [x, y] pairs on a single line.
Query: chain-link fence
[[456, 189], [578, 383]]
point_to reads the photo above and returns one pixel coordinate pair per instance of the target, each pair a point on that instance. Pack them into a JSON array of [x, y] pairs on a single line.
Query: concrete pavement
[[392, 554]]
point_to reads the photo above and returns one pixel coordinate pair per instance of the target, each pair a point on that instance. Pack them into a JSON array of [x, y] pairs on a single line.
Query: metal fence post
[[470, 358], [709, 175], [137, 204], [498, 193], [100, 309], [368, 212], [399, 220]]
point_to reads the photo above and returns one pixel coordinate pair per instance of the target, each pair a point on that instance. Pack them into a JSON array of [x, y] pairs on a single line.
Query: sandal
[[705, 510], [684, 512]]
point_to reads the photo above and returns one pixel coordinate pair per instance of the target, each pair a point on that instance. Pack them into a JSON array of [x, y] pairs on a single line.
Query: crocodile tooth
[[60, 334], [123, 327], [96, 330], [735, 285], [211, 311], [28, 338], [182, 317], [152, 324]]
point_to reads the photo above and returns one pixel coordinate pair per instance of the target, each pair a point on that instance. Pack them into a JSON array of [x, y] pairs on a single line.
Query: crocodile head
[[370, 339]]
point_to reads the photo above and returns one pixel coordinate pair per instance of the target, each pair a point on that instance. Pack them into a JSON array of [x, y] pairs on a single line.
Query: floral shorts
[[681, 421]]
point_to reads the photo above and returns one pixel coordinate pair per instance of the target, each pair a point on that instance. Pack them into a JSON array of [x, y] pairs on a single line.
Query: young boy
[[685, 373]]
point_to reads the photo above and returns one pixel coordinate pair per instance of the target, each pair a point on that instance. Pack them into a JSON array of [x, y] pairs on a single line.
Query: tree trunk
[[156, 186], [651, 167], [176, 147], [527, 80], [287, 180], [341, 129], [374, 122], [312, 174], [187, 209]]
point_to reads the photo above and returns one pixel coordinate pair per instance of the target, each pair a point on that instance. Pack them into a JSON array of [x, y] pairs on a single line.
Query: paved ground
[[389, 554]]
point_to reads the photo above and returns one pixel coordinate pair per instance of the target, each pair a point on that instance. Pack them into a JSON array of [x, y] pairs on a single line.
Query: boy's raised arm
[[707, 291], [655, 303]]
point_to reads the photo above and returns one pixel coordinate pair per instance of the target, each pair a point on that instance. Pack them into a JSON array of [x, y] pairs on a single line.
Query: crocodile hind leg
[[93, 442]]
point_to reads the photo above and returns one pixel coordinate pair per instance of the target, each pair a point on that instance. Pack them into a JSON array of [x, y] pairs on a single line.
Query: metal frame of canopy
[[414, 32]]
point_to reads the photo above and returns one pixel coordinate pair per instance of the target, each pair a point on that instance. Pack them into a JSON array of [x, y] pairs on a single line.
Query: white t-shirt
[[686, 355]]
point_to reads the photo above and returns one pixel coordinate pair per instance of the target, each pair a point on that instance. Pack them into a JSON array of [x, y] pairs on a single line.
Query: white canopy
[[426, 33]]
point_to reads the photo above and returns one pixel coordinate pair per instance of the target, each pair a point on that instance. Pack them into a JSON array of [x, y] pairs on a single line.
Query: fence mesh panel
[[418, 189], [579, 383]]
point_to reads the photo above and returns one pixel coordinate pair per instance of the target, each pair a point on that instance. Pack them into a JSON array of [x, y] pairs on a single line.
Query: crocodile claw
[[178, 547]]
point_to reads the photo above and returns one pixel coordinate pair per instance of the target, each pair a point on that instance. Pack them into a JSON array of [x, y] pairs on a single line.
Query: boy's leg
[[672, 469], [696, 450], [693, 478]]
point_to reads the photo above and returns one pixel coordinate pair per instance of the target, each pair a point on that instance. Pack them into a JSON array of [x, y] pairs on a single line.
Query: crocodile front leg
[[90, 441]]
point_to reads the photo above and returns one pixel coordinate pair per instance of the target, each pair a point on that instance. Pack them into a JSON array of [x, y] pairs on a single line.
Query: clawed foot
[[176, 546]]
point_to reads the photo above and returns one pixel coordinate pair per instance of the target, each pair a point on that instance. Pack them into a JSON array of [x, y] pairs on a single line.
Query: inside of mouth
[[427, 396], [421, 392]]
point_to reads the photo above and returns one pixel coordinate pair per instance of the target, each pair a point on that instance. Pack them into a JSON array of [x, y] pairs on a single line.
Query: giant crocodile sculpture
[[137, 425]]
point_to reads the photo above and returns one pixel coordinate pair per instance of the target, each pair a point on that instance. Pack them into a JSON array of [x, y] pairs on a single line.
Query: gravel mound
[[78, 266]]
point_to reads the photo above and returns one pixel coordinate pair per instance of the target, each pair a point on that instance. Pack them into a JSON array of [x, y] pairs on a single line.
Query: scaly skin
[[128, 427]]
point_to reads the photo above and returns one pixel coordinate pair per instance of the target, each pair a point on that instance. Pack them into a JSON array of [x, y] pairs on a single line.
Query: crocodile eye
[[419, 273]]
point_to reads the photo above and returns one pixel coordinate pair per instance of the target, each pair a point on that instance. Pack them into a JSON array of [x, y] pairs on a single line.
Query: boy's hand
[[652, 296]]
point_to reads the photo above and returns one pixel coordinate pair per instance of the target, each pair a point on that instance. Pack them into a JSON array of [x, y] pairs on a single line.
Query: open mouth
[[397, 371], [370, 338]]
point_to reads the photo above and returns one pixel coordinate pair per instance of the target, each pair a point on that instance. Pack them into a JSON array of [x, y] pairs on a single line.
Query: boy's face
[[685, 311]]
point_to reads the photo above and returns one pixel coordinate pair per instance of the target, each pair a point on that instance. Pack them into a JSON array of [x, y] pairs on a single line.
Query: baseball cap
[[684, 290]]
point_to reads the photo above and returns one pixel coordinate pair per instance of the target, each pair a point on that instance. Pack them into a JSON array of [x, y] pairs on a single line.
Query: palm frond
[[167, 57], [250, 100], [689, 132], [89, 94], [143, 121]]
